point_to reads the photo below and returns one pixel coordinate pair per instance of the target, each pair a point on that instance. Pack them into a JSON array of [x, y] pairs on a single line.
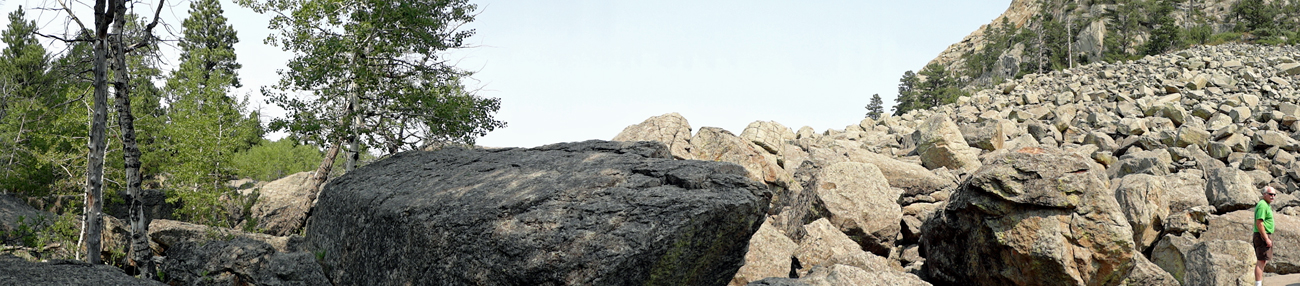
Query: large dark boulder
[[15, 213], [239, 261], [1031, 217], [587, 213], [16, 271]]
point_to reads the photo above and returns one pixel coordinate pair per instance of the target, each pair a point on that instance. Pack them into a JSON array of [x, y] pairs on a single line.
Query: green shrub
[[51, 238], [270, 160]]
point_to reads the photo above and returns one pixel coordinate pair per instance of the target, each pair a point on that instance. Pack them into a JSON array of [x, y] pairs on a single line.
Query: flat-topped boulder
[[587, 213]]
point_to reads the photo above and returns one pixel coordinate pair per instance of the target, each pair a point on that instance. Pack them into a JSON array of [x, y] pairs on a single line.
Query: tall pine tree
[[375, 74], [206, 126], [28, 97], [875, 108]]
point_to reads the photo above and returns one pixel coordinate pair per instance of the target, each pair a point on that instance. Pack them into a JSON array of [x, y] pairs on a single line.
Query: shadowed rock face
[[16, 271], [1031, 217], [588, 213]]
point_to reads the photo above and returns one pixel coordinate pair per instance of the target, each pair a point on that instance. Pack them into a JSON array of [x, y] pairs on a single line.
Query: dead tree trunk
[[93, 224], [139, 253]]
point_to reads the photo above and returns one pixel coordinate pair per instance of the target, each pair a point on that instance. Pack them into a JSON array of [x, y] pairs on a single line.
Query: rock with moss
[[587, 213]]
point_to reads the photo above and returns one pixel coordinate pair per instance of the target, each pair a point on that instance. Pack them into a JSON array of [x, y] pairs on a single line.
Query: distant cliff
[[1044, 35]]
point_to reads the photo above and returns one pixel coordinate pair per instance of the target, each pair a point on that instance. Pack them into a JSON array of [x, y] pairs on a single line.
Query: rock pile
[[1136, 172]]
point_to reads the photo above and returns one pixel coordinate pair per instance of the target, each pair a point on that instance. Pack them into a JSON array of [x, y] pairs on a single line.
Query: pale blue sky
[[578, 70]]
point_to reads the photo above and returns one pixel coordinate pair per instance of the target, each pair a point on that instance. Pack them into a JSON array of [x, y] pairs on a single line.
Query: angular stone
[[1273, 138], [1188, 135], [239, 261], [1218, 121], [1229, 189], [716, 144], [824, 245], [282, 205], [1030, 216], [1171, 254], [670, 129], [861, 204], [1289, 69], [1238, 225], [769, 135], [1237, 142], [941, 144], [1145, 202], [1148, 274], [844, 275], [987, 135], [1186, 190], [1220, 262], [1240, 114], [1102, 140], [769, 256], [1154, 162], [912, 178]]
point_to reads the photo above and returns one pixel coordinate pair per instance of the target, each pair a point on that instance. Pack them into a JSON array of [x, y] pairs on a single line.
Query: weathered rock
[[912, 178], [586, 213], [1031, 217], [824, 245], [1289, 69], [1220, 262], [769, 256], [987, 135], [1188, 135], [1145, 202], [240, 261], [1229, 189], [769, 135], [861, 204], [163, 234], [1145, 273], [1186, 190], [941, 145], [14, 212], [1170, 254], [844, 275], [1239, 225], [16, 271], [670, 129], [282, 205], [1154, 162], [716, 144]]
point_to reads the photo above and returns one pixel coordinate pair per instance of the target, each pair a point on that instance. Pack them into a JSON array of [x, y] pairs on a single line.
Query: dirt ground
[[1282, 280]]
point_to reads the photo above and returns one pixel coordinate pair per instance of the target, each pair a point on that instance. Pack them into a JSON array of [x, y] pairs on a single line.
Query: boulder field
[[1131, 173]]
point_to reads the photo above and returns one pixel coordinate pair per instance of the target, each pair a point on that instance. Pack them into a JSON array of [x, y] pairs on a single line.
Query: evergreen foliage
[[375, 73], [934, 86], [206, 126], [876, 108], [29, 104]]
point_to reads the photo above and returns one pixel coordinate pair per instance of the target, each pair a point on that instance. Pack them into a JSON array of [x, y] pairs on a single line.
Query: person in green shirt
[[1263, 244]]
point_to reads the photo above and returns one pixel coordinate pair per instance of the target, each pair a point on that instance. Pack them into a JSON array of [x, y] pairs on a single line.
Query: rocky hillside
[[1137, 173], [1044, 35]]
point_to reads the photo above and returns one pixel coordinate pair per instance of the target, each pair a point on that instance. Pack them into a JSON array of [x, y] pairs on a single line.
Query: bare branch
[[61, 38], [72, 15], [148, 30]]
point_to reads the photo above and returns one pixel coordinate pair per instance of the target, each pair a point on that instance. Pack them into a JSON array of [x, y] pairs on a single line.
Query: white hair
[[1268, 188]]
